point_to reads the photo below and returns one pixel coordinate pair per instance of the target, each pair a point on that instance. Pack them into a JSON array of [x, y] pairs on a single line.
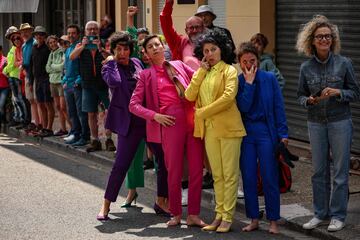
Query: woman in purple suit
[[121, 72]]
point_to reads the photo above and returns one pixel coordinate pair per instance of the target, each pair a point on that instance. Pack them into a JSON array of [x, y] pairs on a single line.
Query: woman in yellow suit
[[214, 87]]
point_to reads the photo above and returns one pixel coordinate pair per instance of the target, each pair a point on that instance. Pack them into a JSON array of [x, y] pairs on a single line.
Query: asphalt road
[[48, 194]]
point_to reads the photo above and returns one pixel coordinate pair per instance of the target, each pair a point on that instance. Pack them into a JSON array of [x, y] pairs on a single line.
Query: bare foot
[[273, 228], [195, 220], [254, 225], [174, 221]]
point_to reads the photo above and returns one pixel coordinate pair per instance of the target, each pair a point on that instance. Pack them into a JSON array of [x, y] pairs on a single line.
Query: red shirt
[[3, 79]]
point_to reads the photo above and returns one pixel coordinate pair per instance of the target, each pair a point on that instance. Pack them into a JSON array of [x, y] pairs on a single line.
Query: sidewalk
[[296, 206]]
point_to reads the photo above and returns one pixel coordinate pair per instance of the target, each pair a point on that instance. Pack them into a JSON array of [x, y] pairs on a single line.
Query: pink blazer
[[144, 101]]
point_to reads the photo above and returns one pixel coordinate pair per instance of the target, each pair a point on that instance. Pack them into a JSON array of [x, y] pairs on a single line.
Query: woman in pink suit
[[170, 121]]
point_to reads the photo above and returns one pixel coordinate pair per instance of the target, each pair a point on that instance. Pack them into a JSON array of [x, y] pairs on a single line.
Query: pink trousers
[[178, 141]]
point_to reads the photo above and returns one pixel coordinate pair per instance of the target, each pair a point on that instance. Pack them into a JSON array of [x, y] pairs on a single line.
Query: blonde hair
[[304, 44]]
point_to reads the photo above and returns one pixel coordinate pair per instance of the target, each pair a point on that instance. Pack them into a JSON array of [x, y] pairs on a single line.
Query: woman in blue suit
[[260, 102]]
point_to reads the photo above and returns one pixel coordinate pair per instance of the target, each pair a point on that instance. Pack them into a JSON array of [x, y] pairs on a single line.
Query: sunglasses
[[40, 34], [15, 38], [63, 42]]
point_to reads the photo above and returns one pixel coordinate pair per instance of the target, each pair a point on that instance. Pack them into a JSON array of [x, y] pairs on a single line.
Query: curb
[[207, 195]]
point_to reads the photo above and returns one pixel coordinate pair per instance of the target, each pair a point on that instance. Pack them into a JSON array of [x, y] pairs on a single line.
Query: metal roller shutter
[[161, 4], [219, 8], [290, 15]]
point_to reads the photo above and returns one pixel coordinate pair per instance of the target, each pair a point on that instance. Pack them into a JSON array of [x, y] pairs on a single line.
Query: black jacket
[[38, 61], [90, 70]]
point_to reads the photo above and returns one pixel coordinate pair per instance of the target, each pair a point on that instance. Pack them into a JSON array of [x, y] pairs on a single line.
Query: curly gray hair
[[304, 44]]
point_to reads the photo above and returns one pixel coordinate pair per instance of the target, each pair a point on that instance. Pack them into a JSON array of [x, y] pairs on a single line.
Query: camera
[[90, 44]]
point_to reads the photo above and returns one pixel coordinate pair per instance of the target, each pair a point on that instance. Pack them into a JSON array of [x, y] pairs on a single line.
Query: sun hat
[[25, 26], [205, 8], [39, 29], [10, 31]]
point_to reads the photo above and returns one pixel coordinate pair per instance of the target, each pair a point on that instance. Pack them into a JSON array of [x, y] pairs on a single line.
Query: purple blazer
[[118, 116]]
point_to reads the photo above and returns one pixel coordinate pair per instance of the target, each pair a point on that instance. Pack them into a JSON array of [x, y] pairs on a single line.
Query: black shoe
[[46, 133], [109, 145], [21, 126], [148, 164], [208, 181], [95, 145], [13, 124]]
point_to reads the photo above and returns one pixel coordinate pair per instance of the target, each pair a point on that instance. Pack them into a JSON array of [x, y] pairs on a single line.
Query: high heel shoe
[[159, 211], [225, 229], [104, 217], [128, 204]]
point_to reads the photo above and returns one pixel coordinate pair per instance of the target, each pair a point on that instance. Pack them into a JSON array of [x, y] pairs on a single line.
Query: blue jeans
[[334, 138], [79, 120], [3, 96], [20, 110]]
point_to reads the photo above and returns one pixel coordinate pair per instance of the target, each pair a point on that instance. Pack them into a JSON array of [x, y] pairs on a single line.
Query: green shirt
[[55, 65]]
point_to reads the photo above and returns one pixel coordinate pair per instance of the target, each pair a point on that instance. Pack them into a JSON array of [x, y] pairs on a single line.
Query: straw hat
[[25, 26]]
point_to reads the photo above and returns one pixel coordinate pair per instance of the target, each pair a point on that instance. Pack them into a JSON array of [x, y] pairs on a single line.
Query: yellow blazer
[[223, 113]]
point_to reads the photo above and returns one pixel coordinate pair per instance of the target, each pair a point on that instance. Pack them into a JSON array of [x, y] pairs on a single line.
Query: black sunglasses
[[15, 38], [40, 34]]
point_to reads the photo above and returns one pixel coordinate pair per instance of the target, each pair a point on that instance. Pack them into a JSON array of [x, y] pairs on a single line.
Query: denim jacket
[[335, 72]]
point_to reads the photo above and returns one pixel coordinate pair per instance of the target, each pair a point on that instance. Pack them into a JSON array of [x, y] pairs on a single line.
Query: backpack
[[285, 179]]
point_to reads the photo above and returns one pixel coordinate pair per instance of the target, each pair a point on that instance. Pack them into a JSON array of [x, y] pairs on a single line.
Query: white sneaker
[[240, 194], [335, 225], [313, 223], [69, 138], [184, 197]]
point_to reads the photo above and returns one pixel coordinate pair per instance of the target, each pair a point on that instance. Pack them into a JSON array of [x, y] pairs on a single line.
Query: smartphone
[[90, 44], [317, 94]]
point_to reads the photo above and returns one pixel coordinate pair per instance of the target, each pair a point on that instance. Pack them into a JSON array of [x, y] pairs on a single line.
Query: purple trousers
[[126, 149], [162, 174]]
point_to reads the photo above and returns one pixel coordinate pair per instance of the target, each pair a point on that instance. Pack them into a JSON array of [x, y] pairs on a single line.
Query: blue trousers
[[20, 110], [78, 118], [257, 147], [3, 96]]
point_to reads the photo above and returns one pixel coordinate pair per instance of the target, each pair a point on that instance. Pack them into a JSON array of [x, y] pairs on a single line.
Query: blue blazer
[[118, 116], [271, 99]]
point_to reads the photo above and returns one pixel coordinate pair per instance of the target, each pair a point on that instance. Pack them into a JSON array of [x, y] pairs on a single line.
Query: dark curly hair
[[122, 38], [218, 38]]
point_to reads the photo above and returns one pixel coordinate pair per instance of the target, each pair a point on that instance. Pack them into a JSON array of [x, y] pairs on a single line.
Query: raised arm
[[172, 37], [110, 73], [192, 91]]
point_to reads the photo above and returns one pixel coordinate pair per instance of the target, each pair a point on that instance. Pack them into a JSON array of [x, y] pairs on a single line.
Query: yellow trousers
[[224, 157]]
